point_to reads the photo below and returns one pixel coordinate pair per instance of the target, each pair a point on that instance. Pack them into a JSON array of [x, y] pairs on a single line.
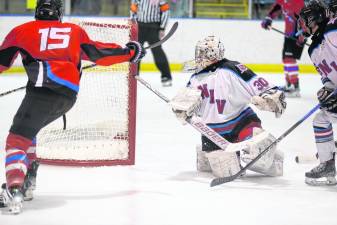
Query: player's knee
[[15, 141]]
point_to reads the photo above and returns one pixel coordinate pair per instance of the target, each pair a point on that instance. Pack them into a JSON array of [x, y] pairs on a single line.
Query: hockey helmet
[[49, 10], [208, 51], [314, 13], [333, 7]]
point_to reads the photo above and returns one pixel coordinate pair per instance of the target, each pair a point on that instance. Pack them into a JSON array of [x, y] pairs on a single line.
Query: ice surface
[[163, 188]]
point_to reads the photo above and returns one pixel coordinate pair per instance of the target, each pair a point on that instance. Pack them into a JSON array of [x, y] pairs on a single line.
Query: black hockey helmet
[[333, 7], [315, 12], [49, 10]]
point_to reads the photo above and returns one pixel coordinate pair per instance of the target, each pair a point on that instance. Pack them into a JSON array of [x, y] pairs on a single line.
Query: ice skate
[[166, 82], [291, 91], [30, 181], [323, 174], [12, 199]]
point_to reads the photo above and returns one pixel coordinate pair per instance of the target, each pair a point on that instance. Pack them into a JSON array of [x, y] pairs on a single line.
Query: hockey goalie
[[219, 92]]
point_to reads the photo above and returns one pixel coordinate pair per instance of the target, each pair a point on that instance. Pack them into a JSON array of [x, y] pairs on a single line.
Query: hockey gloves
[[328, 102], [186, 103], [139, 51], [266, 23], [272, 100]]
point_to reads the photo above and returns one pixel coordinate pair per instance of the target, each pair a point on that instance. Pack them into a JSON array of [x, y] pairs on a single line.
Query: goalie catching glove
[[186, 103], [272, 100]]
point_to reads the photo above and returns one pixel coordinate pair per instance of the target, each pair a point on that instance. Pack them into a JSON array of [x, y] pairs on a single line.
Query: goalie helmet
[[313, 14], [208, 51], [49, 10]]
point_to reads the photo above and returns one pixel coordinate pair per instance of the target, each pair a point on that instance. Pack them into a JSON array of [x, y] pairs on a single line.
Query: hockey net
[[100, 128]]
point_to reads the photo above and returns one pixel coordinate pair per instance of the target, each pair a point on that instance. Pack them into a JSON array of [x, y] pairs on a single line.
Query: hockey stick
[[11, 91], [284, 34], [222, 180], [194, 121], [164, 39]]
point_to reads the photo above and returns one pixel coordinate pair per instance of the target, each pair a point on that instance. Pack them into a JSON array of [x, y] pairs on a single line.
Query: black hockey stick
[[193, 121], [164, 39], [11, 91], [222, 180], [284, 34]]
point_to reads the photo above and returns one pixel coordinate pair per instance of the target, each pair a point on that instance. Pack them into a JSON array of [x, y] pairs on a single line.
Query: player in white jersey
[[219, 92], [314, 21]]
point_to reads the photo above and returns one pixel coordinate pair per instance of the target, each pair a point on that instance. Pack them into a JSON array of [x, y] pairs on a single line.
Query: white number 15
[[61, 34]]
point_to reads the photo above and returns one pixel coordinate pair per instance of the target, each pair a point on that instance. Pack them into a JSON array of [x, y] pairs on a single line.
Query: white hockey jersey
[[323, 52], [227, 88]]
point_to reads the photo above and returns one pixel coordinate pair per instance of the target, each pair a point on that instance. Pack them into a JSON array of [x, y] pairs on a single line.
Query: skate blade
[[292, 95], [330, 181]]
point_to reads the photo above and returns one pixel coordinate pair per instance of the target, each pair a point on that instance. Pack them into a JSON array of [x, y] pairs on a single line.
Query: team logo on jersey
[[209, 94], [241, 67], [324, 68]]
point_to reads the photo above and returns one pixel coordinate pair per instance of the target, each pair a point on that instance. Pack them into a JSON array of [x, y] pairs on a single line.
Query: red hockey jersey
[[52, 52], [290, 9]]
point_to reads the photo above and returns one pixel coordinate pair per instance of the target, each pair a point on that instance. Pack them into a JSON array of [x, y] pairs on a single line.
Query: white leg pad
[[223, 163], [202, 161], [254, 147], [276, 168]]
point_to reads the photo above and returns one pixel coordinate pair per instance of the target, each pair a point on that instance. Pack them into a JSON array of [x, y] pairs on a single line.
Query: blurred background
[[243, 9]]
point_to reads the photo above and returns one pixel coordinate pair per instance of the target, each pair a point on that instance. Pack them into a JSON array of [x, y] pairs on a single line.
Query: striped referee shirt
[[150, 11]]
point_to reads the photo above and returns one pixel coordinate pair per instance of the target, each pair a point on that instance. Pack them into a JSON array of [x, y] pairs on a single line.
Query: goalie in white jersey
[[219, 92], [314, 21]]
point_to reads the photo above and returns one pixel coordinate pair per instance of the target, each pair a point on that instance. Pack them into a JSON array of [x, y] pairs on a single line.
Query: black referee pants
[[149, 32]]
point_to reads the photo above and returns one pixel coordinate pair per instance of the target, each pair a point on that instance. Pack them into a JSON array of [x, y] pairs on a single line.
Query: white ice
[[163, 187]]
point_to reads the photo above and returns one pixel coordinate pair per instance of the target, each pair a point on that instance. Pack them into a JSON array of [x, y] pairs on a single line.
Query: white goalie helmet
[[208, 51]]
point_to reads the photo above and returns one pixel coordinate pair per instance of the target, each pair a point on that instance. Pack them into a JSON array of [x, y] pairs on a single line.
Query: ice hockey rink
[[163, 187]]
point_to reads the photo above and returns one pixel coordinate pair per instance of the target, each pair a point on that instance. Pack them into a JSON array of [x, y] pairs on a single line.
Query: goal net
[[100, 129]]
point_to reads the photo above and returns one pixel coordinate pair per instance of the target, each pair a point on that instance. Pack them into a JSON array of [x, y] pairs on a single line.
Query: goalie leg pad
[[276, 168], [255, 146], [223, 163], [202, 161]]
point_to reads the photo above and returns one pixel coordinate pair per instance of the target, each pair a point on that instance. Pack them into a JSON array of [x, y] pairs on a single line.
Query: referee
[[152, 17]]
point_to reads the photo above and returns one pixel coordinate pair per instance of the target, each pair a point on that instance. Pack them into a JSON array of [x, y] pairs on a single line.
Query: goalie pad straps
[[186, 103], [272, 100], [223, 163]]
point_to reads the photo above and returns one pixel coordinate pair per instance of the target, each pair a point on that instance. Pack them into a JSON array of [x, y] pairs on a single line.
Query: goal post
[[101, 127]]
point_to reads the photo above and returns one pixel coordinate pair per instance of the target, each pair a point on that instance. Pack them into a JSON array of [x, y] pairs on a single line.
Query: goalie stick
[[164, 39], [222, 180], [194, 121]]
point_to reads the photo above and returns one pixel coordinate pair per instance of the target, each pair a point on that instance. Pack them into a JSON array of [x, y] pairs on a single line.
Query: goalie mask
[[312, 15], [208, 51], [49, 10]]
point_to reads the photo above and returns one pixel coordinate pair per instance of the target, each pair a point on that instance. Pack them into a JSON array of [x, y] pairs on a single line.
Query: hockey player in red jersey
[[51, 53], [220, 92], [315, 22], [293, 45]]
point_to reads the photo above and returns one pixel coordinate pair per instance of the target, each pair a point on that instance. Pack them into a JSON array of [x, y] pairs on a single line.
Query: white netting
[[97, 126]]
